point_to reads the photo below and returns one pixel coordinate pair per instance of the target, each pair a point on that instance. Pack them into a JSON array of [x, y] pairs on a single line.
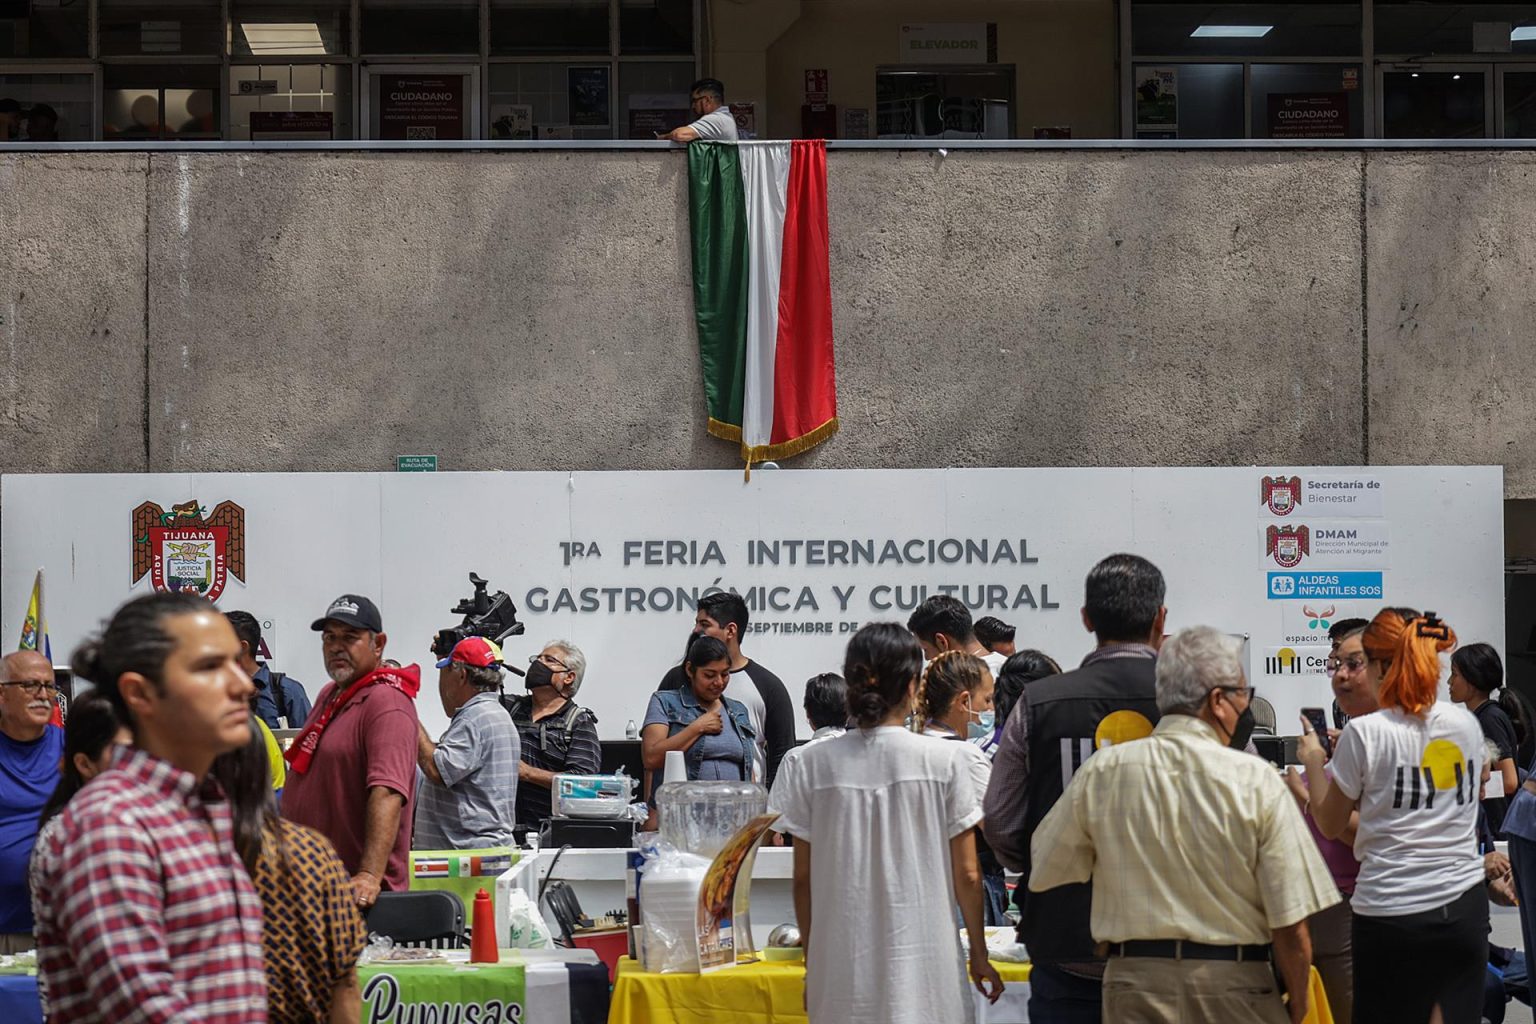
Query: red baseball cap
[[473, 650]]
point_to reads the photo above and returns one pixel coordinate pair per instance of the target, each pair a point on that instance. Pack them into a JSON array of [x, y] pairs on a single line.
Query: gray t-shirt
[[478, 758], [718, 126], [722, 753]]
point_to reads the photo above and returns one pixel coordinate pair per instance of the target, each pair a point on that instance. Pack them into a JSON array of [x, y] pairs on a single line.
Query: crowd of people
[[1166, 871]]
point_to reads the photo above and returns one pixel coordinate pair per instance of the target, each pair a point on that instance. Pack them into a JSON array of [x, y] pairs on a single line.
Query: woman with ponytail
[[883, 822], [1412, 769], [1476, 672]]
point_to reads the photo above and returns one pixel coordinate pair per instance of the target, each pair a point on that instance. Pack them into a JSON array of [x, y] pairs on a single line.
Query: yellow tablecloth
[[769, 993]]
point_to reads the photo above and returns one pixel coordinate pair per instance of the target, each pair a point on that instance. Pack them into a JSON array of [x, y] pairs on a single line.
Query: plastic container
[[592, 796], [701, 817]]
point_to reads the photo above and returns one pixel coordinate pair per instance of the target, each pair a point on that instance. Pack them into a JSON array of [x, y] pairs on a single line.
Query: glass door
[[421, 102], [1517, 102], [1435, 101]]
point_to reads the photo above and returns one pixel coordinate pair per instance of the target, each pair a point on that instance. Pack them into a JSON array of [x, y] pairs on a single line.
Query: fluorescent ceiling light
[[1231, 32], [1523, 34], [277, 38]]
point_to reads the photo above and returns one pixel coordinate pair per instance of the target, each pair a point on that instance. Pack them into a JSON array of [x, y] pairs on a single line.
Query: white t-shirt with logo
[[1417, 782]]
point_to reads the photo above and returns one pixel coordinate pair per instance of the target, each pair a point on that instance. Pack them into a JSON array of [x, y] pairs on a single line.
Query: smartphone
[[1319, 723]]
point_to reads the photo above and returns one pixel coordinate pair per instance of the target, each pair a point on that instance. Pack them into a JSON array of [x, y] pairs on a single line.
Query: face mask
[[539, 674], [1244, 730], [983, 726]]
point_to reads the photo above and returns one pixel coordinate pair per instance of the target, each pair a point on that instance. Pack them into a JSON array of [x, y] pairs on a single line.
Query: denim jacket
[[682, 708]]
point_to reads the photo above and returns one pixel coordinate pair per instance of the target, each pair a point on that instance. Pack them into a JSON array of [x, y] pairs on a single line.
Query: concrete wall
[[531, 310]]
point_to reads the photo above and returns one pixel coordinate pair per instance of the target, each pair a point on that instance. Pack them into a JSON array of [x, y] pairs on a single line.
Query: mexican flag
[[762, 293]]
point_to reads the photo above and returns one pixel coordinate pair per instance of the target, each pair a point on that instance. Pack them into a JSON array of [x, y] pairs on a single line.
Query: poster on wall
[[1157, 102], [651, 114], [421, 107], [291, 125], [616, 562], [511, 121], [588, 96], [745, 114], [1308, 115]]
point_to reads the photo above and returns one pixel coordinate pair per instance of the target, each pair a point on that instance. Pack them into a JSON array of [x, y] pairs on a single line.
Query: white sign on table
[[615, 562]]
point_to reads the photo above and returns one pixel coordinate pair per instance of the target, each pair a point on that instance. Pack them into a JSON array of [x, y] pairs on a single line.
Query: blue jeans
[[994, 892], [1522, 858], [1056, 997]]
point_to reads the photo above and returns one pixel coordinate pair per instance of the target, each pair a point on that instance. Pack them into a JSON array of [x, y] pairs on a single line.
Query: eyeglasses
[[1353, 664], [1249, 691], [550, 660], [33, 687]]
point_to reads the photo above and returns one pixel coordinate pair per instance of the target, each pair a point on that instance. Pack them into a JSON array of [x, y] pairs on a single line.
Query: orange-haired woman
[[1413, 770]]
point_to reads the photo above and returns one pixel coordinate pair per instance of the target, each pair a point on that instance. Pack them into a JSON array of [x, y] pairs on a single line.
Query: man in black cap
[[352, 770]]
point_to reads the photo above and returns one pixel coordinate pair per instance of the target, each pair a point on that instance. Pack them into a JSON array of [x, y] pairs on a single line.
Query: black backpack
[[565, 721]]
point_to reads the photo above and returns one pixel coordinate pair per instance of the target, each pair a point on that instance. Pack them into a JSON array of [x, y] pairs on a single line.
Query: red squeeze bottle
[[482, 932]]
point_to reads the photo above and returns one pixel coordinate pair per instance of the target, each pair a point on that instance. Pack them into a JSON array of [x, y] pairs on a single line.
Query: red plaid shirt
[[147, 914]]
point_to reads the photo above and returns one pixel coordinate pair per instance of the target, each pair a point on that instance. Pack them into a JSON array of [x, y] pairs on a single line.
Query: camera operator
[[558, 735]]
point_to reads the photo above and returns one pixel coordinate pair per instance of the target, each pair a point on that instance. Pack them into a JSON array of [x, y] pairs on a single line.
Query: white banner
[[615, 561]]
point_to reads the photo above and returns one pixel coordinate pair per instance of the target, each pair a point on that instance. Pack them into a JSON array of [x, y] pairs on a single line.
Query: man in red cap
[[352, 769], [469, 799]]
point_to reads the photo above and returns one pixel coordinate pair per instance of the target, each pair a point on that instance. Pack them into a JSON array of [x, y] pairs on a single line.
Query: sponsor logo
[[349, 607], [1282, 494], [1292, 661], [1317, 618], [1325, 586], [1287, 544], [187, 548]]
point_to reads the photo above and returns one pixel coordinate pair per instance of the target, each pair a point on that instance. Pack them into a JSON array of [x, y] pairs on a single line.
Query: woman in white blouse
[[884, 849]]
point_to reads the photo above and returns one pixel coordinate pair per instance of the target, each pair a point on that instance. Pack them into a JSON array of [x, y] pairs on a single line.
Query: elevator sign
[[953, 43]]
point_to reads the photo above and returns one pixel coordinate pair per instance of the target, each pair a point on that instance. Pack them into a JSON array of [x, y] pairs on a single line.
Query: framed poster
[[421, 107], [1157, 100], [588, 96]]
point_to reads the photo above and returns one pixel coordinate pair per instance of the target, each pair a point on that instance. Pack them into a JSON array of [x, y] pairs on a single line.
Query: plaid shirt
[[149, 916]]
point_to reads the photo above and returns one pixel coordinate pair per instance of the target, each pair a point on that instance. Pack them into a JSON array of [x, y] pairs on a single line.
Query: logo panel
[[188, 549]]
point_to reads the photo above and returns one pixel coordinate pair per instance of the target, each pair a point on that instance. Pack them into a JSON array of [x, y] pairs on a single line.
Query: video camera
[[492, 616]]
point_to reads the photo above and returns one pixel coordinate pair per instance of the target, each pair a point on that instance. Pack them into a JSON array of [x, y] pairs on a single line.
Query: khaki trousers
[[16, 942], [1153, 990]]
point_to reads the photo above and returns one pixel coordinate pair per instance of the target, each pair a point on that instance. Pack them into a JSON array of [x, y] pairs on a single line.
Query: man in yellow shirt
[[1166, 828], [274, 756]]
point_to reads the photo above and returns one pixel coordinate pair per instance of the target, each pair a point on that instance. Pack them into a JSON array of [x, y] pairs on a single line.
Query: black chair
[[427, 917]]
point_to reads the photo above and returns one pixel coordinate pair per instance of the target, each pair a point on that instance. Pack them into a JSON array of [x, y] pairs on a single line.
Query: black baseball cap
[[353, 610]]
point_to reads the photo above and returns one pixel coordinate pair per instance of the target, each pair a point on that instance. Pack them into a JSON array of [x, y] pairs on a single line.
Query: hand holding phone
[[1319, 723]]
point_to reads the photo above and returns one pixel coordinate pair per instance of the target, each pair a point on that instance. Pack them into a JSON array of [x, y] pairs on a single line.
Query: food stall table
[[550, 986], [773, 993]]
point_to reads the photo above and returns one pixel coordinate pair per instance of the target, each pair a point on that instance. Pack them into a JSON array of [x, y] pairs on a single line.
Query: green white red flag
[[762, 293]]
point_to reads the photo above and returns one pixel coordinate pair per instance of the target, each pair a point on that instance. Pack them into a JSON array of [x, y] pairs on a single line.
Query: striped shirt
[[475, 805], [313, 934], [149, 915], [543, 746]]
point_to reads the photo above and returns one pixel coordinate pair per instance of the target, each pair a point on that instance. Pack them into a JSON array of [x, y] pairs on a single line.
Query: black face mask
[[539, 674], [1243, 731]]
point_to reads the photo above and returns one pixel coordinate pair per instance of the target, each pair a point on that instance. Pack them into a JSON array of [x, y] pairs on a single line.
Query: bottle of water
[[631, 730]]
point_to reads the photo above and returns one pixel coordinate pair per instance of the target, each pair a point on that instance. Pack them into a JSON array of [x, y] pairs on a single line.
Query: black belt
[[1178, 949]]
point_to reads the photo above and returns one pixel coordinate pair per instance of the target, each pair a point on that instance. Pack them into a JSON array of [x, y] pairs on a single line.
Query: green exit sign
[[416, 463]]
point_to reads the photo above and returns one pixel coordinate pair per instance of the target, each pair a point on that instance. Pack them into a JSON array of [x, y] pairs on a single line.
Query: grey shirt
[[476, 804]]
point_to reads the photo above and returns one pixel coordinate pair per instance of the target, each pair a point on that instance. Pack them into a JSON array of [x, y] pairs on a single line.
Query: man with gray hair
[[559, 737], [1203, 872], [469, 795]]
